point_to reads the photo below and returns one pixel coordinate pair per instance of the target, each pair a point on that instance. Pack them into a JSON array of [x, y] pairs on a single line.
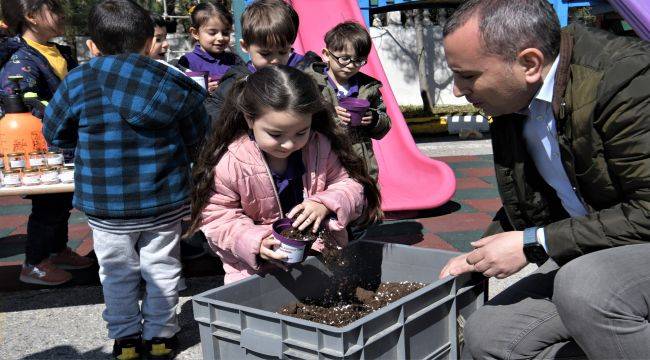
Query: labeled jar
[[49, 175], [10, 178], [66, 174], [36, 159], [31, 177], [53, 158], [16, 161]]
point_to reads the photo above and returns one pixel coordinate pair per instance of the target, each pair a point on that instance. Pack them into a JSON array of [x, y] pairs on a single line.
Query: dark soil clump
[[360, 304], [306, 235]]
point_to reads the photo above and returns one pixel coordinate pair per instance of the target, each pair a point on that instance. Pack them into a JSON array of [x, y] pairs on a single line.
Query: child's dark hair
[[119, 26], [279, 88], [158, 20], [14, 12], [349, 32], [269, 23], [202, 12]]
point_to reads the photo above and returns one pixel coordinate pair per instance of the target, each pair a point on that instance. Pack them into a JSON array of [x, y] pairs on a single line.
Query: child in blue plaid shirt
[[135, 124]]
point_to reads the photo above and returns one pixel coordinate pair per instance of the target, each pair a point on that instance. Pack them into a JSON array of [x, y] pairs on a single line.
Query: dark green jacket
[[601, 103], [361, 136]]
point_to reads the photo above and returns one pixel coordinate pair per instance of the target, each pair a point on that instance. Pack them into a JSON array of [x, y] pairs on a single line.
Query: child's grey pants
[[124, 259]]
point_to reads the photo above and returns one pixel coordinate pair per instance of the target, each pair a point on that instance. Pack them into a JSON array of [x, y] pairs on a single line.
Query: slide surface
[[409, 180], [636, 13]]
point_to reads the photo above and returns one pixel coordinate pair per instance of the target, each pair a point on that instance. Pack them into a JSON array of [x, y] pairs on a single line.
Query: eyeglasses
[[346, 60]]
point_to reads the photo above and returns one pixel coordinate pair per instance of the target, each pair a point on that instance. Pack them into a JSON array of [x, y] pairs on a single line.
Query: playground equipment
[[409, 180]]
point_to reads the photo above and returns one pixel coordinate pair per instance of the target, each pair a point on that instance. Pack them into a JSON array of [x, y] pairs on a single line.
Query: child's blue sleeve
[[18, 65], [60, 126], [193, 128]]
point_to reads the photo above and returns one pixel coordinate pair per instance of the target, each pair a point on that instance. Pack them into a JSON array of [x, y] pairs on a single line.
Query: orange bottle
[[20, 131]]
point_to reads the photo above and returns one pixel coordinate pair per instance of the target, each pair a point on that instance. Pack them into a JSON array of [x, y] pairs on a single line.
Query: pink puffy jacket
[[240, 212]]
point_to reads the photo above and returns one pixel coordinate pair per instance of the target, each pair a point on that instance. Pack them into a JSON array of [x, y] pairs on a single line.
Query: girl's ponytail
[[230, 126]]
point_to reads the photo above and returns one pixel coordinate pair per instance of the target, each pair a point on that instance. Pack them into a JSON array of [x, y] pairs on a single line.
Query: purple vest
[[217, 66]]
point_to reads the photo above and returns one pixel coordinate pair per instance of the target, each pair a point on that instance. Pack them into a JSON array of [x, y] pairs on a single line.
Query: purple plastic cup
[[356, 107], [201, 77], [294, 249], [216, 77]]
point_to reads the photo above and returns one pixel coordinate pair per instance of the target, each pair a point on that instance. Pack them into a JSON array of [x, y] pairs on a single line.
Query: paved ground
[[66, 323]]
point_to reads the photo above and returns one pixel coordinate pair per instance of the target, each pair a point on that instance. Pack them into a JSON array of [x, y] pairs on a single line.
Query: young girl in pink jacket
[[278, 153]]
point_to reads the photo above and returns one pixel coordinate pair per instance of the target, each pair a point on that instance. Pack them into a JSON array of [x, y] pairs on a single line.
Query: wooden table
[[37, 189]]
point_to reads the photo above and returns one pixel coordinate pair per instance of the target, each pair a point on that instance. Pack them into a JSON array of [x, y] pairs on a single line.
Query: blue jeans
[[597, 304], [125, 259]]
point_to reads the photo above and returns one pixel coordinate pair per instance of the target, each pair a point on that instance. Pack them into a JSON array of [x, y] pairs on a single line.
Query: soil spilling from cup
[[359, 304]]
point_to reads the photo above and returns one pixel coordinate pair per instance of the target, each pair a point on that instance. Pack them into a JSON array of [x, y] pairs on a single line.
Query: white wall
[[399, 57]]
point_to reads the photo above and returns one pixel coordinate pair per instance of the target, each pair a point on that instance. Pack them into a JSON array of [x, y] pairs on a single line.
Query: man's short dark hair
[[269, 23], [352, 33], [119, 26], [509, 26]]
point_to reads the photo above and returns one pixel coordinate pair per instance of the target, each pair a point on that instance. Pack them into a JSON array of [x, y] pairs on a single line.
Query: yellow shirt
[[53, 56]]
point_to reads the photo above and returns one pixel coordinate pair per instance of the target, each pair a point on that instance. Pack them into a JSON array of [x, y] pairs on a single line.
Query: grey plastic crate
[[239, 320]]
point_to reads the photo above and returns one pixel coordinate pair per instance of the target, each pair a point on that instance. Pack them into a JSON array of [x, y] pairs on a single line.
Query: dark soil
[[306, 235], [360, 304]]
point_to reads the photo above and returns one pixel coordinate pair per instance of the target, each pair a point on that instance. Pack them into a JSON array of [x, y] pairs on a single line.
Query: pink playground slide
[[408, 179]]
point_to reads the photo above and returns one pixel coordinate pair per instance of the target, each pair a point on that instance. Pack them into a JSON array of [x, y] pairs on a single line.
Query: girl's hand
[[212, 86], [343, 114], [267, 252], [367, 119], [311, 213]]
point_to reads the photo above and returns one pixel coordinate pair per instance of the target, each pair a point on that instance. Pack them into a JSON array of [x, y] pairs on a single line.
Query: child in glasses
[[347, 47]]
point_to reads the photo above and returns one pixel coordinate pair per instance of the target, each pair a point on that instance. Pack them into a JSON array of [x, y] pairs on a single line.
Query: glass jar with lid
[[31, 177], [11, 178], [66, 174], [16, 161], [53, 158], [36, 159], [49, 175]]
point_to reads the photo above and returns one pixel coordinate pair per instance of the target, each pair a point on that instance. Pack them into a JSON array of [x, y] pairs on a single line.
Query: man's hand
[[456, 266], [499, 255]]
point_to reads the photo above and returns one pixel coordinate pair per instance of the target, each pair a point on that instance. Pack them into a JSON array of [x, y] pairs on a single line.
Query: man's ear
[[92, 47], [147, 47], [243, 46], [531, 61]]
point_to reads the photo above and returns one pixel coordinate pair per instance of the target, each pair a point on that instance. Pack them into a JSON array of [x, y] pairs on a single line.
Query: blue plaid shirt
[[132, 121]]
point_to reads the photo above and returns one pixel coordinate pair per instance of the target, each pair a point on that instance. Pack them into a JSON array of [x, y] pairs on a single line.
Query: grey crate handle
[[261, 342]]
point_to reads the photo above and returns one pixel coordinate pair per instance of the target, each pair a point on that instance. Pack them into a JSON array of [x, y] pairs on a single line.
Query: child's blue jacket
[[133, 121]]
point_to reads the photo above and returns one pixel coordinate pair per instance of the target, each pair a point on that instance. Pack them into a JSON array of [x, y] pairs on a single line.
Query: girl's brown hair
[[202, 12], [14, 12], [279, 88]]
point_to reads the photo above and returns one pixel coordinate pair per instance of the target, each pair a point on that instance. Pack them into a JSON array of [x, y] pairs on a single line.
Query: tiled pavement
[[450, 227]]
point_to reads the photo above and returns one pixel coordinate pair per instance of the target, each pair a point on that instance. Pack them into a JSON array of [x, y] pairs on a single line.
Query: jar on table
[[16, 161], [10, 178], [36, 159], [31, 177], [49, 175], [53, 158], [66, 174]]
